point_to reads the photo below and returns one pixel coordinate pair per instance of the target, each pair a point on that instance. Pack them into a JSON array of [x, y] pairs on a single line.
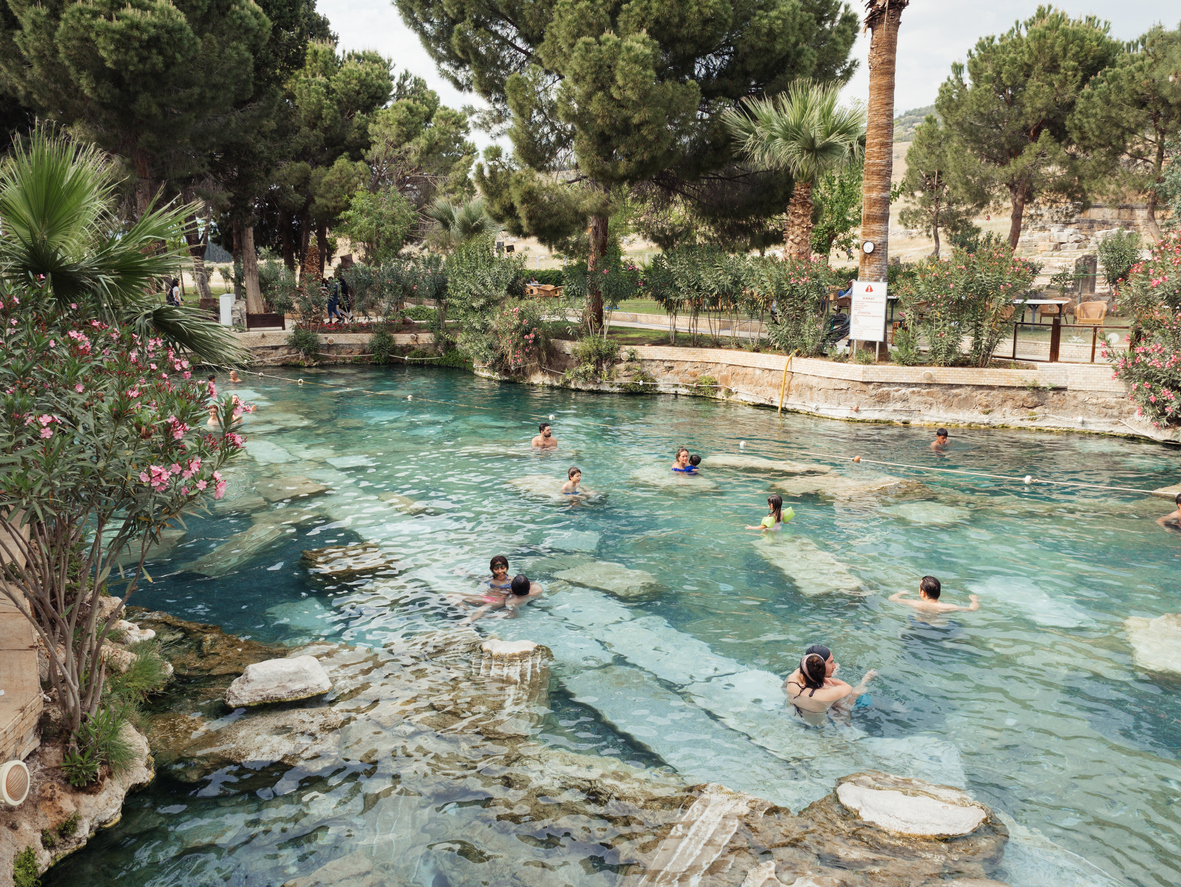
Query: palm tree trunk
[[143, 182], [594, 293], [883, 18], [799, 222]]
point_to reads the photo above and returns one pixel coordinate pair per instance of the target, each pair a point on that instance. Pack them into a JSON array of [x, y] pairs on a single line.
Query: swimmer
[[521, 592], [811, 688], [928, 602], [681, 462], [1172, 522], [211, 382], [574, 478], [214, 420], [545, 439], [234, 376], [499, 581], [775, 517], [492, 591], [939, 444], [694, 464]]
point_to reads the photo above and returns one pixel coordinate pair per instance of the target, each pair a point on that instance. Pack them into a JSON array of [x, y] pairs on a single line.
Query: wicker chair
[[1090, 313]]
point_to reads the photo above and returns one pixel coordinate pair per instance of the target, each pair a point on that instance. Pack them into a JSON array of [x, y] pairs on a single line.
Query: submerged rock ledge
[[457, 709]]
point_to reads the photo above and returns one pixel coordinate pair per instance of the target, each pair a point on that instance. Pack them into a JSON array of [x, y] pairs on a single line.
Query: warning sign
[[867, 316]]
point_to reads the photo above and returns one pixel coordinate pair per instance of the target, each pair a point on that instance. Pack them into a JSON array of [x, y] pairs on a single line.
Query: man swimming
[[939, 444], [1172, 521], [545, 439], [928, 602]]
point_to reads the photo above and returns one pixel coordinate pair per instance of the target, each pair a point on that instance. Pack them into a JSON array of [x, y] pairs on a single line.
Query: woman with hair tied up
[[812, 690]]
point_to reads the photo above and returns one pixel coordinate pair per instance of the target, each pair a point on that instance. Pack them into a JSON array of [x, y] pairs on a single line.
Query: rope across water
[[838, 458]]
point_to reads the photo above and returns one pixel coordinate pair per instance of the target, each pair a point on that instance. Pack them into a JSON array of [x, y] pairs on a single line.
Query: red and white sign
[[867, 316]]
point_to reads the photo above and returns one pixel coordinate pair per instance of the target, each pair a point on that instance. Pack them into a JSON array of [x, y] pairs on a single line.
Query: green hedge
[[547, 276]]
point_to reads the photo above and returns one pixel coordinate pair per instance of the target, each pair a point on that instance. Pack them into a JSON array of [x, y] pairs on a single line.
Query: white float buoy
[[741, 444], [551, 417], [301, 381], [1028, 479], [410, 397]]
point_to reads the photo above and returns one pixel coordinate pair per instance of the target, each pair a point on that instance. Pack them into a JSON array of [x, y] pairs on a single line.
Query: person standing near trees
[[173, 297], [333, 300]]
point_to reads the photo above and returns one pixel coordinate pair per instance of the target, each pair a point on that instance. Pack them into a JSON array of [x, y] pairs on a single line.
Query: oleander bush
[[958, 307], [1151, 367]]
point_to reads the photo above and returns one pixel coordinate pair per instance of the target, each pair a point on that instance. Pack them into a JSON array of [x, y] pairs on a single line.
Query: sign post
[[867, 315]]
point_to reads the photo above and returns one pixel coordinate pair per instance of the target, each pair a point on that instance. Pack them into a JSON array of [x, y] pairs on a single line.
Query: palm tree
[[805, 132], [882, 18], [458, 224], [59, 231]]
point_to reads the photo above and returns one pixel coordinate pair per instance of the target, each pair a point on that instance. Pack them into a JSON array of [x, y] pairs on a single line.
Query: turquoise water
[[1032, 703]]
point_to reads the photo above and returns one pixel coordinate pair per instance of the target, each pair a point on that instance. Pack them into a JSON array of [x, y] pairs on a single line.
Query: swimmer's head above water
[[813, 671], [499, 561], [830, 662], [521, 585], [544, 429], [574, 470], [930, 588], [775, 504]]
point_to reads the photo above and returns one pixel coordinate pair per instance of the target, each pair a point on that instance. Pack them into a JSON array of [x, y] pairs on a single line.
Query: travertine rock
[[132, 633], [1156, 643], [812, 569], [347, 561], [762, 466], [279, 680], [614, 578], [910, 807], [294, 487]]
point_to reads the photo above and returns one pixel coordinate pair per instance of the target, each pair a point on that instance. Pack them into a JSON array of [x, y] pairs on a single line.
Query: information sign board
[[867, 316]]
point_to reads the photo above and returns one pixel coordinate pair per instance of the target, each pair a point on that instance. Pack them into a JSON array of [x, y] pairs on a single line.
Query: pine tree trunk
[[1158, 165], [799, 222], [305, 228], [197, 243], [322, 243], [288, 238], [143, 183], [883, 19], [594, 293], [1018, 199], [236, 255], [250, 271]]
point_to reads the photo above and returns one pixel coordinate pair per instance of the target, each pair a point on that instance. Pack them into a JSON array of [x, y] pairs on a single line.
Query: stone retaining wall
[[1059, 397]]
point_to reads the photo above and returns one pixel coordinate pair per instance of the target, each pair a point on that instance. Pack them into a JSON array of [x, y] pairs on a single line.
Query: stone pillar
[[515, 677]]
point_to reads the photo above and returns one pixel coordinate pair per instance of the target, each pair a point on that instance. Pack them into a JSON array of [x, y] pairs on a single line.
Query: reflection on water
[[1032, 702]]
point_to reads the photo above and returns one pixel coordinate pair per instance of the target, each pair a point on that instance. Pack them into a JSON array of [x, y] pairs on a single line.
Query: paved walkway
[[21, 704]]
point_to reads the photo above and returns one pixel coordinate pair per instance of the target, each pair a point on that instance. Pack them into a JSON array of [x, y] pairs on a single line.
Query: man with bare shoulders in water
[[545, 440]]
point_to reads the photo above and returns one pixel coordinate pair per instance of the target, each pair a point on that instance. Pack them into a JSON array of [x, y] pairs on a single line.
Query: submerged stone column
[[515, 676]]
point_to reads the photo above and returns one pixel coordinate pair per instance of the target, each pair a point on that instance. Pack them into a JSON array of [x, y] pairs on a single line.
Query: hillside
[[905, 123]]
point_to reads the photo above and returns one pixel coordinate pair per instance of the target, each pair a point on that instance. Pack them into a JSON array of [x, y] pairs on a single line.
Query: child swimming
[[694, 464], [574, 478], [776, 516]]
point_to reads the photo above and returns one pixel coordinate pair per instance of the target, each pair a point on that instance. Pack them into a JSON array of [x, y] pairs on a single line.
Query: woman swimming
[[815, 675], [681, 462], [776, 517]]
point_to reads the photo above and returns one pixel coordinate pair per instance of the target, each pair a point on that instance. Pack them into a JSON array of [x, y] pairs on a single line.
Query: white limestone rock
[[1156, 643], [910, 807], [294, 487], [664, 477], [132, 633], [762, 466], [279, 680], [614, 578], [812, 569]]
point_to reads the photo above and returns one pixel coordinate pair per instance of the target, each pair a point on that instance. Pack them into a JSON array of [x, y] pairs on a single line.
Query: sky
[[934, 33]]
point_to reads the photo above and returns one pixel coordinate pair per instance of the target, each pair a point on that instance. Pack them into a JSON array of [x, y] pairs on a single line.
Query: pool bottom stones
[[449, 714]]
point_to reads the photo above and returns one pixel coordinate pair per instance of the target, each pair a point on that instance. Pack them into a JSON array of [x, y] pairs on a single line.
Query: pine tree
[[1010, 104], [601, 98], [937, 200]]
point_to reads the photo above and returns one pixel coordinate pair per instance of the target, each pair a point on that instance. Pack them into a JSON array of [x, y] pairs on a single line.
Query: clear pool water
[[1033, 703]]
